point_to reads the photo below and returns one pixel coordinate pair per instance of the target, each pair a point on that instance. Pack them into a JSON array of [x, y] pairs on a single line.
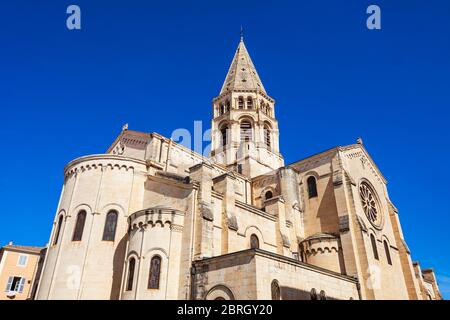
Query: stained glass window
[[155, 272], [109, 232]]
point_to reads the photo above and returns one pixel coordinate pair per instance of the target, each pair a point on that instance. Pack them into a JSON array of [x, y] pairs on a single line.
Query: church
[[150, 219]]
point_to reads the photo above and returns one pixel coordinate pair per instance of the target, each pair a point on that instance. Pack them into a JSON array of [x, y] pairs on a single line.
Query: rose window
[[370, 204]]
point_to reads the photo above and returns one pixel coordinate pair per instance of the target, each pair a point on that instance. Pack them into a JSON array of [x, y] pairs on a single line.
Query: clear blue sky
[[158, 64]]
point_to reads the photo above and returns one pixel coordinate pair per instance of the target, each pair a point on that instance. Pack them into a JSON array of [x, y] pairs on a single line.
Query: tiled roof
[[29, 249], [242, 74]]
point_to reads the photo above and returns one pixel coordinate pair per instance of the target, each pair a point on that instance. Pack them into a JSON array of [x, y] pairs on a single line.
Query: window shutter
[[8, 286], [21, 284]]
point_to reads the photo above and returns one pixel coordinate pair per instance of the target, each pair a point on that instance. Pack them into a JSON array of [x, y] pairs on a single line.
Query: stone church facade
[[151, 219]]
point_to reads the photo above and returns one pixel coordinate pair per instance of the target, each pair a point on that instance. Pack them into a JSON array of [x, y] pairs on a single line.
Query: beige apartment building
[[151, 219], [20, 268]]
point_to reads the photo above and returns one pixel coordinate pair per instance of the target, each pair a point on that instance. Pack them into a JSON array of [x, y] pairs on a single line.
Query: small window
[[58, 230], [131, 267], [313, 294], [268, 195], [241, 103], [267, 138], [155, 273], [254, 242], [374, 247], [22, 261], [15, 284], [221, 109], [223, 133], [227, 105], [312, 187], [275, 289], [109, 232], [249, 103], [388, 253], [322, 295], [239, 168], [79, 226]]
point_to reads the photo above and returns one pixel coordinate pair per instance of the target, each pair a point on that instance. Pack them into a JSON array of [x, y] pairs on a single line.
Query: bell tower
[[244, 128]]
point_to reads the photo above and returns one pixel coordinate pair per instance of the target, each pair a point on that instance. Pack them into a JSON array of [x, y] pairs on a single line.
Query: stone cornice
[[273, 256], [227, 174], [172, 182], [103, 160], [258, 92], [254, 210], [216, 194]]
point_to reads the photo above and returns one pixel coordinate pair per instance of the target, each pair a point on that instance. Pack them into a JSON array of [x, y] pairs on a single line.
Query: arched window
[[246, 131], [58, 230], [131, 266], [221, 109], [275, 289], [155, 272], [374, 246], [79, 226], [227, 105], [312, 187], [267, 136], [249, 103], [268, 195], [388, 253], [109, 232], [241, 103], [223, 134], [313, 294], [322, 295], [254, 242]]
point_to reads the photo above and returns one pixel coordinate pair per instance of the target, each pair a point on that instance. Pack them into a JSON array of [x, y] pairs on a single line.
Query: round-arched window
[[267, 138], [246, 131], [223, 135], [275, 289], [254, 242], [313, 294], [154, 273]]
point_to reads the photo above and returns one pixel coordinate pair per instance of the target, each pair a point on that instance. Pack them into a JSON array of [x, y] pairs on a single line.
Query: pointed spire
[[242, 74]]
